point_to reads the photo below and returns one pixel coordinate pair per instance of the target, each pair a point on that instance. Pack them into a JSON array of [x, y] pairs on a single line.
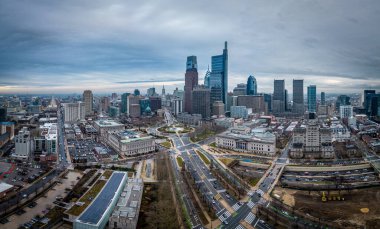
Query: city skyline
[[108, 47]]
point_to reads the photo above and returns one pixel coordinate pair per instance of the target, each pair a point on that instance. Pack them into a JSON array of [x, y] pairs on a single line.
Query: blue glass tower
[[251, 86], [312, 98], [219, 64]]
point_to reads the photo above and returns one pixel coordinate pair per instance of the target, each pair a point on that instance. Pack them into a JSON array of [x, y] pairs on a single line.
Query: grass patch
[[107, 174], [202, 136], [226, 161], [203, 157], [180, 161], [87, 198], [253, 181], [166, 144], [213, 144]]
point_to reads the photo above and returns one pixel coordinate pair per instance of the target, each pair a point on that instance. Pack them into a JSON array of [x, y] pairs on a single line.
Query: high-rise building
[[255, 102], [144, 105], [372, 104], [155, 103], [191, 80], [133, 100], [207, 77], [219, 64], [278, 98], [177, 106], [151, 91], [163, 90], [134, 110], [298, 97], [74, 112], [23, 144], [251, 85], [201, 101], [124, 103], [286, 100], [312, 98], [342, 100], [215, 85], [136, 92], [114, 96], [345, 111], [3, 114], [88, 101], [323, 98], [240, 89], [218, 108], [106, 103]]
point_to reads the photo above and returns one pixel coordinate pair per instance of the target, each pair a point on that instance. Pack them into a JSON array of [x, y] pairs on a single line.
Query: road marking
[[236, 207], [250, 218], [239, 227], [251, 204]]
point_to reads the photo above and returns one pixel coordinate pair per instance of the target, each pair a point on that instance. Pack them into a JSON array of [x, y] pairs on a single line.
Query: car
[[225, 222], [213, 201]]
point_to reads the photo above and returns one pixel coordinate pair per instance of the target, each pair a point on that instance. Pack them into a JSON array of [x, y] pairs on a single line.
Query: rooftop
[[258, 135], [108, 123], [131, 136]]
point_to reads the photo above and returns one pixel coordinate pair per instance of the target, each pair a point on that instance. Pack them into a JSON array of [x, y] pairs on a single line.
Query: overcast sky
[[116, 46]]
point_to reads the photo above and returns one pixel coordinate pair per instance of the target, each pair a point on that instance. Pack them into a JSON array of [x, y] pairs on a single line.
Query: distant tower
[[191, 80], [207, 77], [278, 96], [88, 101], [298, 98], [136, 92], [323, 98], [163, 90], [312, 98], [219, 65], [251, 86]]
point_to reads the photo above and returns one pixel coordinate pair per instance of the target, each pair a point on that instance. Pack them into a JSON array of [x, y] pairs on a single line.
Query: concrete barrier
[[253, 165]]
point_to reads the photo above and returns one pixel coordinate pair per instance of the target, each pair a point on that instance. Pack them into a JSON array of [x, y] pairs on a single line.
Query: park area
[[359, 209]]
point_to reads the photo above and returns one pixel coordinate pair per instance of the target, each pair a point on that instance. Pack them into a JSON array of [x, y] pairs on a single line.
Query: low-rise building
[[189, 119], [104, 126], [131, 143], [23, 144], [258, 141], [126, 212]]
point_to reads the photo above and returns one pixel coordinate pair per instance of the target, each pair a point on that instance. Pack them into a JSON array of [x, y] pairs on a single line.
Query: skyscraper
[[240, 89], [163, 90], [342, 100], [312, 98], [251, 85], [88, 100], [124, 102], [201, 101], [191, 80], [298, 97], [367, 95], [219, 64], [323, 98], [279, 96], [207, 78]]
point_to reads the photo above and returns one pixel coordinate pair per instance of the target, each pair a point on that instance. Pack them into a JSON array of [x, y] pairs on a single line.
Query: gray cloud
[[58, 44]]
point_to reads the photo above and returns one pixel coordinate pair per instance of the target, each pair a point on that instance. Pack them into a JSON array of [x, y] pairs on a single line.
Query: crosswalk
[[224, 216], [250, 204], [260, 192], [236, 206], [239, 227], [250, 217]]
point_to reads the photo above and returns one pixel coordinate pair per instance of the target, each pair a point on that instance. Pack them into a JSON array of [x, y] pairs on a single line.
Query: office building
[[240, 112], [134, 110], [215, 85], [104, 126], [163, 91], [114, 96], [136, 92], [207, 78], [240, 89], [88, 102], [113, 111], [23, 144], [255, 102], [191, 81], [323, 98], [257, 141], [342, 100], [345, 111], [47, 142], [106, 104], [74, 112], [3, 114], [124, 103], [373, 105], [144, 105], [155, 103], [151, 91], [189, 119], [278, 99], [312, 140], [298, 97], [219, 64], [218, 108], [251, 85], [201, 101], [312, 98]]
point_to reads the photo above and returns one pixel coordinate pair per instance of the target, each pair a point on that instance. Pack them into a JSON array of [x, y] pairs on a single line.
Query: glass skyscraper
[[312, 98], [219, 64], [251, 86]]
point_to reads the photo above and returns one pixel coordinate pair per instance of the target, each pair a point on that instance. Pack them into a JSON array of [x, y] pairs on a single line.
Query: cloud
[[75, 45]]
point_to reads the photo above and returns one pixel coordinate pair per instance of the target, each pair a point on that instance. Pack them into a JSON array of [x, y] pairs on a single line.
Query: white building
[[240, 111], [340, 132], [74, 112], [346, 111], [23, 144], [312, 141], [47, 142], [131, 143], [258, 141]]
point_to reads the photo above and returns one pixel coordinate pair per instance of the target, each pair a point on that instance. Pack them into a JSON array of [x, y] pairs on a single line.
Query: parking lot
[[83, 151], [20, 174]]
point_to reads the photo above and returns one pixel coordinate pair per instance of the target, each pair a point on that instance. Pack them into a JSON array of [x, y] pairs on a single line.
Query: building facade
[[251, 85], [201, 101], [74, 112], [131, 143], [88, 102], [312, 98], [219, 65], [191, 81], [278, 99], [298, 97]]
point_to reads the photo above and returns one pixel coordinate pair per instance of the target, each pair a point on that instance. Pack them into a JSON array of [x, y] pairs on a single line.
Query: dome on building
[[148, 110]]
